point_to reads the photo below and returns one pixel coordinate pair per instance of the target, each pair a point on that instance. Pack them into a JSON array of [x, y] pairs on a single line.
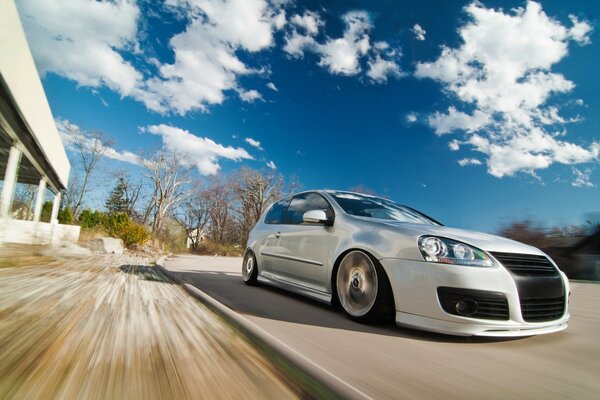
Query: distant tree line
[[168, 205], [531, 232]]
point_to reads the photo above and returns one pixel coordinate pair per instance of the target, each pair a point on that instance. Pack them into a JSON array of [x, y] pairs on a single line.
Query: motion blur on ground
[[111, 326]]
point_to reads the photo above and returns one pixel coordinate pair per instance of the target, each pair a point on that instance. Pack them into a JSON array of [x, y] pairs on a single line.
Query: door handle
[[277, 235]]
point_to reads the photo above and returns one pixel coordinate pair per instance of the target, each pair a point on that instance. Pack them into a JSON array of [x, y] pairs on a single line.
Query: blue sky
[[472, 113]]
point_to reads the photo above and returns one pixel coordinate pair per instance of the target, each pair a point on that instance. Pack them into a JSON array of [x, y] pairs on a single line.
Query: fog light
[[466, 307]]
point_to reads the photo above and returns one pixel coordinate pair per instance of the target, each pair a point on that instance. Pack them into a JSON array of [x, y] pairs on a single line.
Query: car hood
[[483, 241]]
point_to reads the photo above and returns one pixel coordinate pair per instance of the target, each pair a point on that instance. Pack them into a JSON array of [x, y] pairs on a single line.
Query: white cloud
[[279, 19], [207, 64], [71, 133], [84, 41], [249, 96], [380, 69], [502, 75], [411, 117], [419, 32], [341, 55], [582, 178], [530, 151], [203, 152], [91, 43], [344, 55], [271, 165], [580, 31], [272, 86], [296, 44], [469, 161], [95, 44], [310, 21], [454, 145], [456, 120], [254, 143]]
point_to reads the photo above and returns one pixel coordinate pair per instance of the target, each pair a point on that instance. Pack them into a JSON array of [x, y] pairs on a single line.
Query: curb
[[308, 375]]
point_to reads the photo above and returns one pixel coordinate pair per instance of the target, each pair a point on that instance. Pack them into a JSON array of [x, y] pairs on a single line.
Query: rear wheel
[[362, 288], [249, 269]]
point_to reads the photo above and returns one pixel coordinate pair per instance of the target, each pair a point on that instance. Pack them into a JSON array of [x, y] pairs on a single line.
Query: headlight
[[446, 251]]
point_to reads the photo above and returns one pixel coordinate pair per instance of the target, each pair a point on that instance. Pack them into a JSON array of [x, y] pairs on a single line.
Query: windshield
[[375, 207]]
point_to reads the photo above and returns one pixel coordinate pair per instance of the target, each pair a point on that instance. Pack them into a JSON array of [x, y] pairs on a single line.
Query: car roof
[[333, 191]]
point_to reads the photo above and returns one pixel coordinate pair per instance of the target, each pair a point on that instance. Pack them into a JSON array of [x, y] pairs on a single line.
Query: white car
[[378, 259]]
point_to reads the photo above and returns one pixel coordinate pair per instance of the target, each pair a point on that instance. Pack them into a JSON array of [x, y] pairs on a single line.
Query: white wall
[[20, 74], [29, 232]]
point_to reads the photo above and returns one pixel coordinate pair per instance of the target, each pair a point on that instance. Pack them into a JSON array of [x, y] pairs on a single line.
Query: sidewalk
[[111, 327]]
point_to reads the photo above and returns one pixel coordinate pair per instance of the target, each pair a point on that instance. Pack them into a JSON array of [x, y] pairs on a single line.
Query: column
[[39, 200], [55, 207], [10, 180]]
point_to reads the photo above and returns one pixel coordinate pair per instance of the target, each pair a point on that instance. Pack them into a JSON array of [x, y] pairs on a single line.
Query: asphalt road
[[389, 362]]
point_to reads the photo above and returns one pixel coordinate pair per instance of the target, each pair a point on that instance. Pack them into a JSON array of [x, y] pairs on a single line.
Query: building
[[194, 238], [31, 150]]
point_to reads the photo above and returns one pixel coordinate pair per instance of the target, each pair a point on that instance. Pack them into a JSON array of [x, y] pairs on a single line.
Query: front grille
[[526, 264], [490, 305], [540, 310]]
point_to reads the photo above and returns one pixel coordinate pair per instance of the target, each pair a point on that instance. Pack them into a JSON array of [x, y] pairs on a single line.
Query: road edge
[[293, 365]]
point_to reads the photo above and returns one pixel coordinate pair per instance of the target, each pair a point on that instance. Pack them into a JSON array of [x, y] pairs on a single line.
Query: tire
[[249, 269], [363, 290]]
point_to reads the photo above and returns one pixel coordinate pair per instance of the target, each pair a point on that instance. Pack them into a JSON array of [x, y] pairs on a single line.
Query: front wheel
[[362, 288], [249, 269]]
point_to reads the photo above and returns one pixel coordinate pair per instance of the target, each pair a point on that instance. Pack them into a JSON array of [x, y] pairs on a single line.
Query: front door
[[305, 247]]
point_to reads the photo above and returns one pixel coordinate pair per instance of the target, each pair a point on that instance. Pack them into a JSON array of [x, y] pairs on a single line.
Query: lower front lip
[[415, 285]]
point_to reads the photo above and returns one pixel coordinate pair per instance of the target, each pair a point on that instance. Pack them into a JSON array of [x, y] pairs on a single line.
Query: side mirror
[[317, 217]]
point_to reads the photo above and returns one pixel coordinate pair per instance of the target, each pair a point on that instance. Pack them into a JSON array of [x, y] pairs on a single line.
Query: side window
[[277, 212], [304, 202]]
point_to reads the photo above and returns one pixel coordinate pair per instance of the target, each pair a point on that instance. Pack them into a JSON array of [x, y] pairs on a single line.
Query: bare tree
[[219, 206], [526, 231], [253, 192], [194, 216], [169, 173], [23, 202], [71, 194], [89, 149]]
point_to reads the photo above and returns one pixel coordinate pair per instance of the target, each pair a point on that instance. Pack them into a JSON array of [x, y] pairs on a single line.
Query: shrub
[[46, 211], [65, 216], [131, 233], [114, 223], [117, 225], [89, 219]]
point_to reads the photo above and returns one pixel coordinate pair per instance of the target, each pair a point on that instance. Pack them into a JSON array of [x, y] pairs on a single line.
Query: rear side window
[[277, 212], [304, 202]]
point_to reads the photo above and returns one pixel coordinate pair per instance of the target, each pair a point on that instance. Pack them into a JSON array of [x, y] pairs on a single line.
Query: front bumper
[[414, 285]]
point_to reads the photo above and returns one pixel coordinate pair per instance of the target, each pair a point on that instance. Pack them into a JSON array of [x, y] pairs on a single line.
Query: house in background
[[194, 238], [31, 150]]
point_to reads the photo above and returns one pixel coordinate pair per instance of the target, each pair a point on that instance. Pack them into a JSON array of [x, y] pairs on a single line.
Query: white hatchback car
[[378, 259]]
